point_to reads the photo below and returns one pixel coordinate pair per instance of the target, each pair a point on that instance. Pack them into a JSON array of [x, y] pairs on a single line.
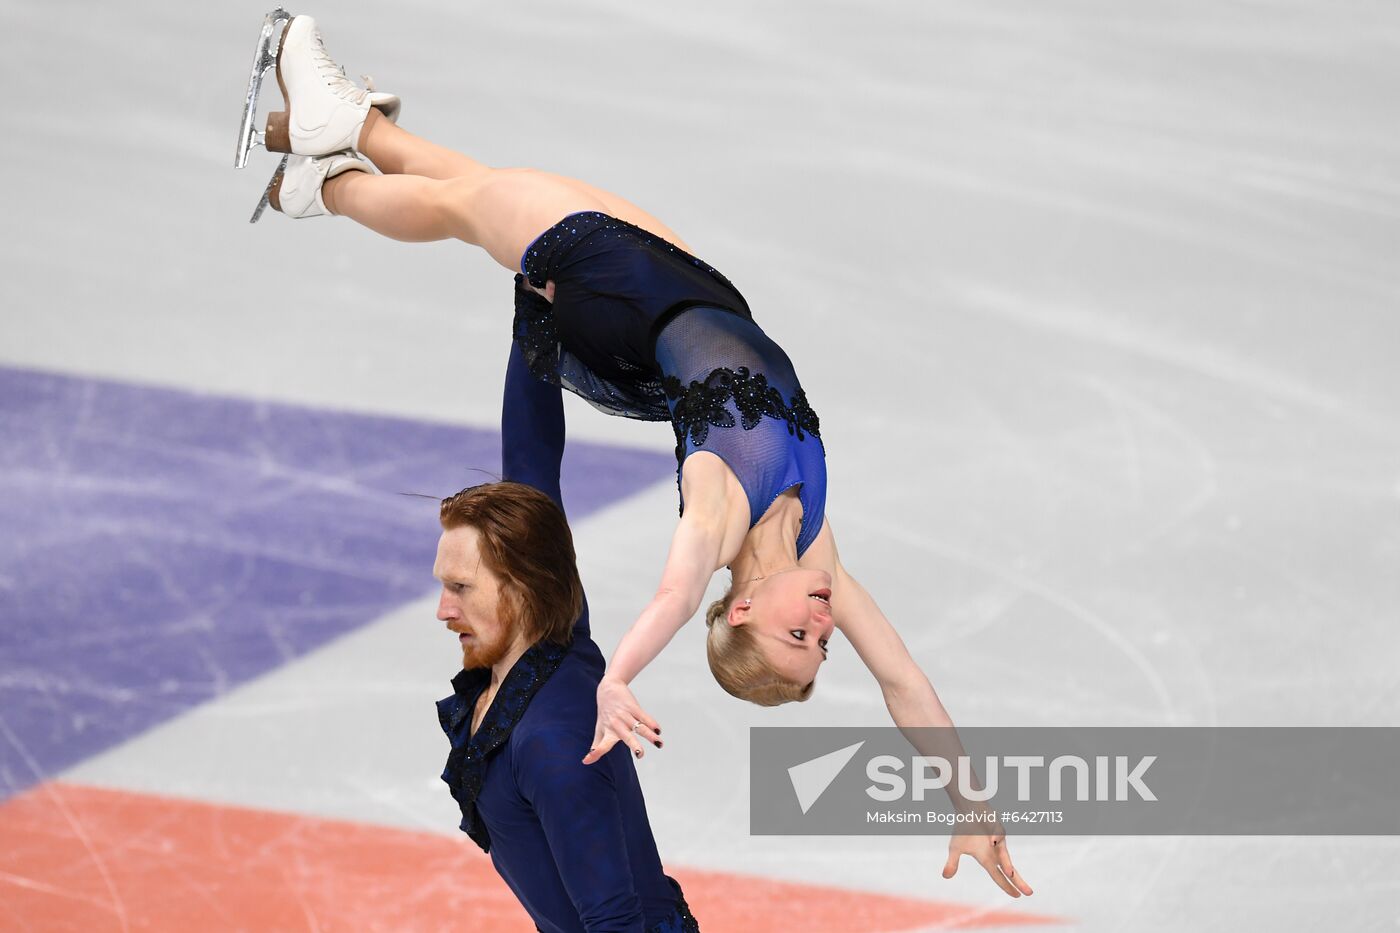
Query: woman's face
[[790, 612]]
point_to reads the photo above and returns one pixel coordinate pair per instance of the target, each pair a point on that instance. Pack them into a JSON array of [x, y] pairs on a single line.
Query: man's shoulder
[[579, 671], [565, 707]]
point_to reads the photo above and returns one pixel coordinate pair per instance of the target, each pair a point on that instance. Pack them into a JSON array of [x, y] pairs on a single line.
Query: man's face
[[470, 600]]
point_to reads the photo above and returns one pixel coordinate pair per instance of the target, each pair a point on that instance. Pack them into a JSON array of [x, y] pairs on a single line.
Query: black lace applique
[[803, 418], [754, 398], [702, 405], [466, 763]]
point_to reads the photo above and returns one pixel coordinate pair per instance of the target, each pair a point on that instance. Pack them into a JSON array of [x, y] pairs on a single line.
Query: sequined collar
[[466, 763]]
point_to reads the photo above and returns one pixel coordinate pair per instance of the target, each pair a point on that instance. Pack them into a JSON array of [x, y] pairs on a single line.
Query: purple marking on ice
[[162, 547]]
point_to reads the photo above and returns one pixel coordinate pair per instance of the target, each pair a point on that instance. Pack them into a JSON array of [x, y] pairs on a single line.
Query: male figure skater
[[571, 840]]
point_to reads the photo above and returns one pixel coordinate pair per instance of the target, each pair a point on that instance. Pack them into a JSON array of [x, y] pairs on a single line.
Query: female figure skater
[[612, 304]]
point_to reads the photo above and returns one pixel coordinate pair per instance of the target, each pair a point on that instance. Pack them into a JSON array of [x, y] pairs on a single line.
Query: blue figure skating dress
[[642, 329]]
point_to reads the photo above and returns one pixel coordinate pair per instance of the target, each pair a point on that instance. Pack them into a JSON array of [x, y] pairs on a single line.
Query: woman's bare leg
[[395, 151], [500, 210], [497, 209]]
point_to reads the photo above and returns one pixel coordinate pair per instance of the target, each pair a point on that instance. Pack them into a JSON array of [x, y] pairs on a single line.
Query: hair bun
[[717, 609]]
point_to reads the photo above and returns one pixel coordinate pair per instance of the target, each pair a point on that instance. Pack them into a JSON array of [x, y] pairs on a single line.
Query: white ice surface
[[1097, 302]]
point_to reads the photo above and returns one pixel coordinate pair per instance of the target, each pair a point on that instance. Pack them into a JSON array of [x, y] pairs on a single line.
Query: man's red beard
[[478, 653]]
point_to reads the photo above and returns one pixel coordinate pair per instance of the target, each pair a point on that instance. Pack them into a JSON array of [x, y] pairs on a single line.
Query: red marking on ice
[[84, 858], [751, 903]]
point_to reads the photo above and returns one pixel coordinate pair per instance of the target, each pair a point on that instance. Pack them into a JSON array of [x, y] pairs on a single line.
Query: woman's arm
[[689, 566], [714, 520], [906, 689], [695, 548], [909, 696], [915, 708]]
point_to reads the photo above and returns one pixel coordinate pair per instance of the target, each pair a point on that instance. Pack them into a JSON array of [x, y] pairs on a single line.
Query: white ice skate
[[324, 110], [296, 189]]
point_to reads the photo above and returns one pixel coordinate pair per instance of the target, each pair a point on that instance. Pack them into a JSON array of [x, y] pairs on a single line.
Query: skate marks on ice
[[1141, 258], [166, 864], [169, 546]]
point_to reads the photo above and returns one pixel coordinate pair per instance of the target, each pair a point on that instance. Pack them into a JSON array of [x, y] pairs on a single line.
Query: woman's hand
[[990, 852], [620, 718]]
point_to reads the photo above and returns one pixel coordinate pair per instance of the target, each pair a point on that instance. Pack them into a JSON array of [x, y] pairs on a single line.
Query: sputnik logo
[[811, 778]]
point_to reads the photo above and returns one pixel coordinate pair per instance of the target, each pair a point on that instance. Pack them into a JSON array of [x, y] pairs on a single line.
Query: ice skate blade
[[264, 58], [267, 192]]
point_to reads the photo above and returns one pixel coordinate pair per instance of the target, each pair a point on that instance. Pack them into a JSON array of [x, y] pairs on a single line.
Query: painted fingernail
[[638, 753]]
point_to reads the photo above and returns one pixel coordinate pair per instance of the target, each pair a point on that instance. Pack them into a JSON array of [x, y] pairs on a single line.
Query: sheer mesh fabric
[[732, 391]]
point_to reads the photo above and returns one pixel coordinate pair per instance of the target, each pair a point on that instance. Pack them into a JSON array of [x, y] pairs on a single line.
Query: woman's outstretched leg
[[500, 210], [395, 151]]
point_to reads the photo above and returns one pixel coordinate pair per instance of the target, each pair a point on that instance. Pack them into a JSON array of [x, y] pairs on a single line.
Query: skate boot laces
[[333, 74]]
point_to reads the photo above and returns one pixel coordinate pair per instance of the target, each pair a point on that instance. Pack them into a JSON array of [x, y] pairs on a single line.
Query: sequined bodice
[[643, 329]]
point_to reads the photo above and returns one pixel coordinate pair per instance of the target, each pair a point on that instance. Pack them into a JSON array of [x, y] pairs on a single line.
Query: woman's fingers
[[624, 728], [991, 854], [1009, 870], [995, 871], [645, 726], [599, 749], [647, 733], [620, 719], [602, 743]]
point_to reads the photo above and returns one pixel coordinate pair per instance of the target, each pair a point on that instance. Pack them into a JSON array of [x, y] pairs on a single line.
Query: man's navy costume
[[571, 840]]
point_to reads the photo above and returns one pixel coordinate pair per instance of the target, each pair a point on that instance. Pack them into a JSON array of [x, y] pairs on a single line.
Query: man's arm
[[579, 811], [532, 431], [532, 422]]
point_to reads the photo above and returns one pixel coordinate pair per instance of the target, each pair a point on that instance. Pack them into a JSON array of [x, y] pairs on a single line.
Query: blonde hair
[[739, 664]]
